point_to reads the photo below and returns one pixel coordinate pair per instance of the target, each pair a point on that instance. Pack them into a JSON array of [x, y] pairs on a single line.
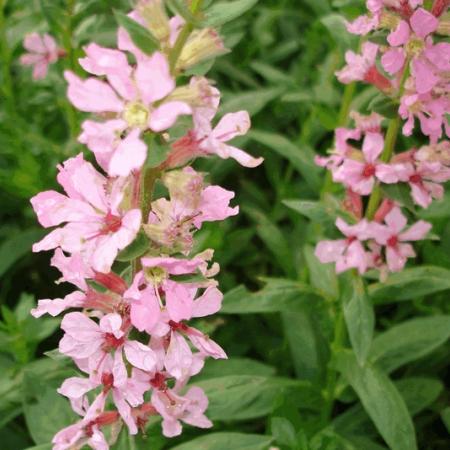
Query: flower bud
[[154, 14], [201, 45]]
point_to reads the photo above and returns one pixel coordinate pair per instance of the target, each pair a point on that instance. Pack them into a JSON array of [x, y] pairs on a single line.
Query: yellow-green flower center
[[136, 115], [415, 47], [155, 275]]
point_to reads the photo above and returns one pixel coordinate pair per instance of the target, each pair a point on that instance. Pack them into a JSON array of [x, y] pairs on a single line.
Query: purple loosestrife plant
[[411, 70], [130, 334]]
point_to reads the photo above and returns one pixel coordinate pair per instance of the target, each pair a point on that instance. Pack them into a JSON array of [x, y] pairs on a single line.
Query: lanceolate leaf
[[381, 400], [227, 441], [141, 36], [410, 284], [278, 295], [409, 341], [223, 12], [359, 316], [242, 397]]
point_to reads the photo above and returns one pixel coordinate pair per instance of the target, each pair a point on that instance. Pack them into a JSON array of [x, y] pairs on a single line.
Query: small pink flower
[[85, 339], [424, 178], [346, 253], [174, 408], [213, 140], [395, 239], [43, 51], [87, 431], [431, 112], [138, 98], [96, 226], [408, 39], [361, 176]]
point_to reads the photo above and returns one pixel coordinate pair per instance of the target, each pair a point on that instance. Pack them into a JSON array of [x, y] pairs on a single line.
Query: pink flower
[[349, 252], [174, 408], [360, 176], [86, 340], [126, 392], [341, 149], [138, 98], [43, 51], [213, 140], [409, 40], [87, 431], [424, 178], [171, 222], [96, 226], [358, 65], [395, 240], [431, 112]]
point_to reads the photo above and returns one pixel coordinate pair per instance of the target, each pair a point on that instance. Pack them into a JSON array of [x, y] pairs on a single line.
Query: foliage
[[301, 374]]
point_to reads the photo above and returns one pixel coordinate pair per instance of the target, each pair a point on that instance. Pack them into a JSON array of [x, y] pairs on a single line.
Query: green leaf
[[41, 447], [359, 316], [445, 415], [410, 284], [17, 246], [252, 101], [141, 37], [322, 276], [384, 105], [157, 152], [335, 24], [308, 345], [278, 295], [230, 397], [48, 415], [400, 192], [409, 341], [274, 239], [417, 392], [301, 158], [136, 249], [215, 368], [181, 8], [223, 12], [381, 400], [314, 210], [283, 431], [227, 441]]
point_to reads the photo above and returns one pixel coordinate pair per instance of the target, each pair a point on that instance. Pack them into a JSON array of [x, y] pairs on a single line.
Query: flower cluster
[[41, 52], [129, 333], [411, 71]]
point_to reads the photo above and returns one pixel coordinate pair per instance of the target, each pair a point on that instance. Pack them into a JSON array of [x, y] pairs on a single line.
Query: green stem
[[183, 37], [70, 64], [347, 98], [7, 84], [330, 388], [389, 146]]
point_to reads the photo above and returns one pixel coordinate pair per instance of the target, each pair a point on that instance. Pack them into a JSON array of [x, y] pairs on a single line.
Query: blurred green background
[[281, 69]]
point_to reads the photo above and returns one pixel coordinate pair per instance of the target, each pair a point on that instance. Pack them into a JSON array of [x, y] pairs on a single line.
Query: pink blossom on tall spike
[[42, 51], [138, 98], [87, 431], [395, 238], [341, 150], [360, 176], [96, 226], [408, 40], [85, 339], [424, 179], [213, 140], [430, 110], [349, 252], [174, 408]]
